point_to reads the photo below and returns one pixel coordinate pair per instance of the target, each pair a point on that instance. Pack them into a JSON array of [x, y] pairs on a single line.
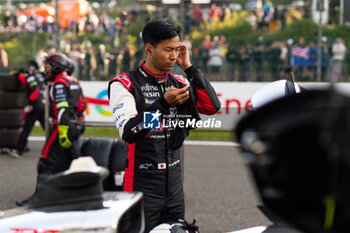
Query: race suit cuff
[[191, 71]]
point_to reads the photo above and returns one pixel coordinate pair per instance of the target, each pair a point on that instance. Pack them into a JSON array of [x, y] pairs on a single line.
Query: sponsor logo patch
[[118, 107], [120, 124], [145, 166]]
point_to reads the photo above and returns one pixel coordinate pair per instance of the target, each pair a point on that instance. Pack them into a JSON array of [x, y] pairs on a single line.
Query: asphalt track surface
[[218, 191]]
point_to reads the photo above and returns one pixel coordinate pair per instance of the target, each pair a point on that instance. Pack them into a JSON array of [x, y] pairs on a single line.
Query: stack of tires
[[12, 102]]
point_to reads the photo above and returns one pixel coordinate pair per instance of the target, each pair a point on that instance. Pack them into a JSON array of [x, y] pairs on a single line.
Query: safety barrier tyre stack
[[12, 102]]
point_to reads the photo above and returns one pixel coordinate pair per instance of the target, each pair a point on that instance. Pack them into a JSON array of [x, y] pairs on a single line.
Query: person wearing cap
[[335, 72], [290, 52], [33, 80]]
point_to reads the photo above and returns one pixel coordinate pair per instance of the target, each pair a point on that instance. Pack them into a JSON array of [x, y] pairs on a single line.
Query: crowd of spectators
[[266, 17], [258, 61], [254, 61]]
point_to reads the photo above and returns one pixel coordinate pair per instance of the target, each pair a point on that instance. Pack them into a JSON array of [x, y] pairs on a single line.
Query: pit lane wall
[[234, 97]]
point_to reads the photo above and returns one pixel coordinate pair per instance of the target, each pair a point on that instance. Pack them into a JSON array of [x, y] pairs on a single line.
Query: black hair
[[33, 63], [158, 30]]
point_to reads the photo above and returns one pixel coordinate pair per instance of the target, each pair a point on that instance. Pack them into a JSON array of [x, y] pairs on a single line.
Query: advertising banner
[[234, 97]]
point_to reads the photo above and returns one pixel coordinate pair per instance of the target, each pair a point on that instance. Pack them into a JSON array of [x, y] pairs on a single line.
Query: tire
[[12, 99], [9, 137], [9, 118], [10, 83]]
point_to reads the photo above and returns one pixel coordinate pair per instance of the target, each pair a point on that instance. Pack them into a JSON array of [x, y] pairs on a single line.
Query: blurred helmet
[[298, 152], [273, 91], [58, 62], [71, 67], [32, 65]]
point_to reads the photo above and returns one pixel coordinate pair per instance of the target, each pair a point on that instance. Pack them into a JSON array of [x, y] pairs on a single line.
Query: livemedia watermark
[[155, 120]]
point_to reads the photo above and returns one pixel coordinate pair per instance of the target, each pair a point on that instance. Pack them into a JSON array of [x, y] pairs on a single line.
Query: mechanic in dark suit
[[33, 80]]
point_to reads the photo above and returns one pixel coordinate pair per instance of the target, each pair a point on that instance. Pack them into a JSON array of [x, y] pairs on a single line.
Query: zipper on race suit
[[162, 87]]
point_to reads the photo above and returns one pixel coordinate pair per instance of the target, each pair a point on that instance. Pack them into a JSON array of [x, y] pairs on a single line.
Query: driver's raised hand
[[177, 96]]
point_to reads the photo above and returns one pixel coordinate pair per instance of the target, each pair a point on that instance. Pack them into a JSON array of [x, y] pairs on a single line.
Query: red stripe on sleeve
[[129, 171], [81, 105], [23, 79], [34, 95], [204, 104]]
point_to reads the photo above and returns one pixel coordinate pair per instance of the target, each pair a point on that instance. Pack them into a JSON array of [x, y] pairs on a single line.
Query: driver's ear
[[148, 48]]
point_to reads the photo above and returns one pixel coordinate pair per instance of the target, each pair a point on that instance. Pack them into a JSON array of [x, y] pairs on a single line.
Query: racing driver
[[140, 101]]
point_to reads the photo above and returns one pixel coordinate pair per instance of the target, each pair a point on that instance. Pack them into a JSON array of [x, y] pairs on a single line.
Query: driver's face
[[47, 66], [164, 55]]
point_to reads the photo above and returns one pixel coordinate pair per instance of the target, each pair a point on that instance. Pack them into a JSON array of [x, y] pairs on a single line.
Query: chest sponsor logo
[[148, 101], [151, 94], [148, 87], [30, 79], [74, 87]]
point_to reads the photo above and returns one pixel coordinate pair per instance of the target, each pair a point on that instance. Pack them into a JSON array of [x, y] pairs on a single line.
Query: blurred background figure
[[335, 72], [112, 63], [4, 62], [101, 62], [188, 43], [39, 58], [246, 57], [34, 111], [126, 58], [259, 59], [275, 59], [74, 55], [216, 61], [231, 61], [138, 56]]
